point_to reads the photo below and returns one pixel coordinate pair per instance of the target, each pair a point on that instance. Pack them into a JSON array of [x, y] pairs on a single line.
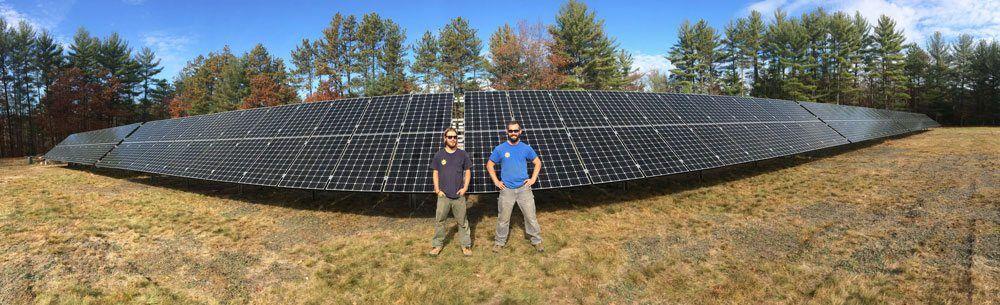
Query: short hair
[[513, 122]]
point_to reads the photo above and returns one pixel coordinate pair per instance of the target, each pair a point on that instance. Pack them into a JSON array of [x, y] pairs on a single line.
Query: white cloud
[[171, 49], [646, 63], [13, 17], [918, 19]]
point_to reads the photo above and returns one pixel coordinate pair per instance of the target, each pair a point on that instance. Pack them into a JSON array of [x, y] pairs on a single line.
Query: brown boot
[[467, 251], [435, 251]]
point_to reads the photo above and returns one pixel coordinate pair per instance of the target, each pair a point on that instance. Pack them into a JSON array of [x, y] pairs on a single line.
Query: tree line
[[49, 92], [838, 58]]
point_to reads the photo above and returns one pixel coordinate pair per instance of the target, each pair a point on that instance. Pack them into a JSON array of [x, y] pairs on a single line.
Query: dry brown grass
[[907, 220]]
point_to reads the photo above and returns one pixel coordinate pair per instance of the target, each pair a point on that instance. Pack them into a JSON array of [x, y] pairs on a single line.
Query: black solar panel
[[385, 144], [313, 168], [479, 145], [561, 165], [410, 171], [88, 147]]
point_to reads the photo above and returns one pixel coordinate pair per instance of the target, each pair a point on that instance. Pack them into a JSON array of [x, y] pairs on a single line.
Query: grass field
[[907, 220]]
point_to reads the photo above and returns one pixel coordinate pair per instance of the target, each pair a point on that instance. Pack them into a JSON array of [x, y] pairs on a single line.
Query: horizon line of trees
[[49, 92], [838, 58]]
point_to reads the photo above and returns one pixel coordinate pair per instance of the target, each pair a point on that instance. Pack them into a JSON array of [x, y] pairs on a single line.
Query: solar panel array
[[593, 137], [363, 144], [385, 144], [88, 147], [860, 124]]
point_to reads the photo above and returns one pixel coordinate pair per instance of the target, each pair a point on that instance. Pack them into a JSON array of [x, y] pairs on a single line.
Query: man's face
[[451, 139], [513, 133]]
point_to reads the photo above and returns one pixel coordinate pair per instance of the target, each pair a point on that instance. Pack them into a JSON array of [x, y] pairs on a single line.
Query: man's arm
[[437, 186], [465, 188], [493, 175], [534, 174]]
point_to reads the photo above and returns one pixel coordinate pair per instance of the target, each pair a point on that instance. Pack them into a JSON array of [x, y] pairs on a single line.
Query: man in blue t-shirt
[[515, 185]]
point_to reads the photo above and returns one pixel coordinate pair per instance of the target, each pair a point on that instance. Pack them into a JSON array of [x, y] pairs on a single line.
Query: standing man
[[515, 185], [451, 180]]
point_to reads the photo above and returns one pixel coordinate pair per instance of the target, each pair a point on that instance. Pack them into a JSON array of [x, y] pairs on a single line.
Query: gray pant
[[526, 202], [456, 207]]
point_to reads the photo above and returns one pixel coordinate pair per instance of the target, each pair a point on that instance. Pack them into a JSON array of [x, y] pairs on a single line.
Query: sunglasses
[[451, 137], [513, 131]]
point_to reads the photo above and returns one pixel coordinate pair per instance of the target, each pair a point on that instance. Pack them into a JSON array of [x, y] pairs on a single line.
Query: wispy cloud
[[171, 49], [646, 63], [918, 19]]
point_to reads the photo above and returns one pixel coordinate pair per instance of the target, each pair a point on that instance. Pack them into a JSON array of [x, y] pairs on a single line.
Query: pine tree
[[683, 56], [149, 67], [330, 57], [695, 57], [304, 59], [888, 47], [425, 63], [752, 47], [371, 32], [916, 67], [392, 61], [460, 62], [734, 58], [582, 51]]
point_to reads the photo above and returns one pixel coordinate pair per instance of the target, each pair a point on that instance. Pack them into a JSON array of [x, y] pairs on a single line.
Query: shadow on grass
[[423, 205]]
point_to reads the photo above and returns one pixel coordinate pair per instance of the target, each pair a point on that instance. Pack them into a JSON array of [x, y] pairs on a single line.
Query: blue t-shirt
[[514, 162]]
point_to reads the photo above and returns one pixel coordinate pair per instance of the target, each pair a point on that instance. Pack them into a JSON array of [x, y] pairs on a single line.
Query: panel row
[[88, 147], [599, 137], [364, 144], [861, 124]]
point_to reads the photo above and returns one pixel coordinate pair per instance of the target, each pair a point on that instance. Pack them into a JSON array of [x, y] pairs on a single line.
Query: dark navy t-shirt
[[514, 162], [451, 170]]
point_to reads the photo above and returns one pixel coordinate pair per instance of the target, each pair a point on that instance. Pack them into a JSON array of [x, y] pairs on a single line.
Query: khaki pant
[[457, 208], [525, 200]]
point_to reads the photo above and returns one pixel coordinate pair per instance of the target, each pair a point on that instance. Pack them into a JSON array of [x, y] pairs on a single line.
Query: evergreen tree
[[695, 57], [304, 59], [459, 61], [392, 61], [582, 51], [888, 72], [425, 63], [149, 67], [916, 66]]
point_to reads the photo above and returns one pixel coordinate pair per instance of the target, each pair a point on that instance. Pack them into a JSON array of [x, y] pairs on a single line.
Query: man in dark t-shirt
[[452, 173]]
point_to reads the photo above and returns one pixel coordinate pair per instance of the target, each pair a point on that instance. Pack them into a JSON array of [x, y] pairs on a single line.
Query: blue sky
[[180, 30]]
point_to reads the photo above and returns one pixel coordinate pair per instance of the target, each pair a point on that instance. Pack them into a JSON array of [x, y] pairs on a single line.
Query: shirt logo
[[506, 154], [443, 161]]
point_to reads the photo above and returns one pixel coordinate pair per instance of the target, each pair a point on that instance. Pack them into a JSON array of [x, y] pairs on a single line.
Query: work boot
[[435, 251], [539, 248], [467, 251]]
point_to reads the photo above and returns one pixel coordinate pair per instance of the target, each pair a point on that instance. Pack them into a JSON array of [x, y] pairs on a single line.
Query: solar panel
[[689, 149], [654, 156], [861, 124], [604, 155], [561, 165], [88, 147], [410, 171], [385, 144], [479, 145], [314, 166], [421, 137]]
